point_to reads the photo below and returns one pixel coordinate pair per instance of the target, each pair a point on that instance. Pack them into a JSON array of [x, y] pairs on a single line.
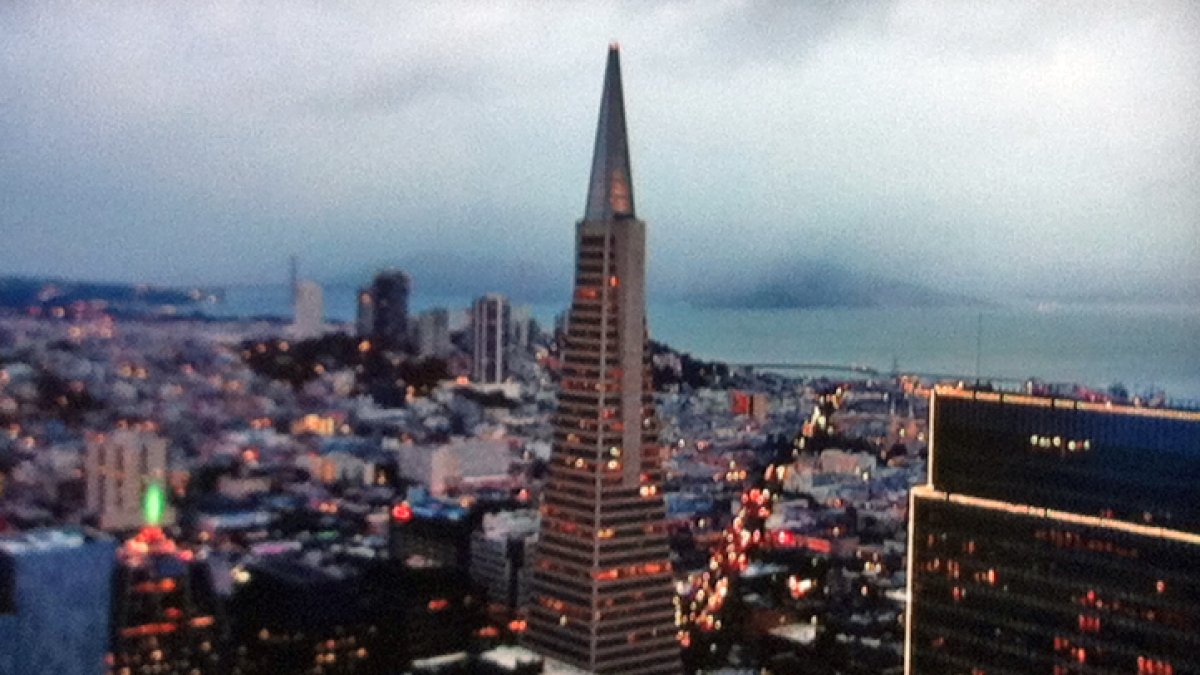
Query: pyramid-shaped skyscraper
[[603, 593]]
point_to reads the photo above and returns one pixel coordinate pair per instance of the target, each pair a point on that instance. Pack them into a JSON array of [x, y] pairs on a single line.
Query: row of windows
[[991, 586]]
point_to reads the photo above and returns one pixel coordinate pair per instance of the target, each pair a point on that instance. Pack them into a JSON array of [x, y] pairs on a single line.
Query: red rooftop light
[[402, 512]]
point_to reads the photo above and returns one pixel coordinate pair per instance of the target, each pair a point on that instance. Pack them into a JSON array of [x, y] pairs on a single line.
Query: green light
[[154, 502]]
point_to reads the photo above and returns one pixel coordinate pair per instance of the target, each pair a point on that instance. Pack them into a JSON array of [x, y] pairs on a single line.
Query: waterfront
[[1142, 347]]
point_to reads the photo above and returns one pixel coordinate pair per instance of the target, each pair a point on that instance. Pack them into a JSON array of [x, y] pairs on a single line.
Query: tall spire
[[603, 586], [610, 193]]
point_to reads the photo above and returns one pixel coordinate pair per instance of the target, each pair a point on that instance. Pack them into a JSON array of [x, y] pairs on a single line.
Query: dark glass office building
[[165, 611], [388, 308], [54, 602], [1055, 536]]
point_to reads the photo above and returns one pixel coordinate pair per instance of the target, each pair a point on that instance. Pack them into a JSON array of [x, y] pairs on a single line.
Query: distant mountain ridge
[[17, 292], [822, 285]]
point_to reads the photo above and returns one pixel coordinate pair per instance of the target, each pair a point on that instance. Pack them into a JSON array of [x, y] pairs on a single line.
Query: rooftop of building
[[44, 540], [508, 524], [511, 656], [1173, 411]]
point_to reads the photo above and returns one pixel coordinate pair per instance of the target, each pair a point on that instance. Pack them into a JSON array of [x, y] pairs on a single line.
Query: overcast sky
[[991, 148]]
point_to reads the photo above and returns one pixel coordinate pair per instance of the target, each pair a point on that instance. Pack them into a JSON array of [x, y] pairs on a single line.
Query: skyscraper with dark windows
[[1055, 536], [389, 308], [602, 590], [165, 610]]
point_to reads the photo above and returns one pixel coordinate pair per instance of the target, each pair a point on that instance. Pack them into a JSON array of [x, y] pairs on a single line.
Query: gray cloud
[[990, 146], [385, 91]]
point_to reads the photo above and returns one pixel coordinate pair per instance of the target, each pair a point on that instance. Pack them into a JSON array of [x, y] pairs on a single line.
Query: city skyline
[[440, 492], [1016, 147]]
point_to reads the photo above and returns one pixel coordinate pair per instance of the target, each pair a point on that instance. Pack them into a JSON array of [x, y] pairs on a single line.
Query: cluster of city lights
[[703, 595], [706, 592]]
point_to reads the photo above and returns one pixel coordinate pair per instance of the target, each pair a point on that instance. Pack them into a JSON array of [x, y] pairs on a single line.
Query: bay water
[[1143, 347]]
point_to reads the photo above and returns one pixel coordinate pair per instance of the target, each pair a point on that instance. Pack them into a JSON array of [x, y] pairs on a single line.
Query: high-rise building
[[491, 316], [390, 292], [1055, 536], [603, 592], [55, 595], [124, 470], [432, 334], [164, 610], [521, 326], [308, 310], [364, 318]]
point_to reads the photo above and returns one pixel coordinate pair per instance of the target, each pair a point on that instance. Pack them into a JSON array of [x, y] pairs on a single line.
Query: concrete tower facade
[[491, 335], [431, 336], [121, 468], [308, 310], [602, 591]]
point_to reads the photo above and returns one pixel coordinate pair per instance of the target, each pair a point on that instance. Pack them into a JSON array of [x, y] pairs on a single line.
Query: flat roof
[[1066, 403], [510, 656], [34, 541]]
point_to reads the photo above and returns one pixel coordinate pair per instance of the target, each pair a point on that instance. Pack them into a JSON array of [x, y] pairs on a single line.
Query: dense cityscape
[[467, 490]]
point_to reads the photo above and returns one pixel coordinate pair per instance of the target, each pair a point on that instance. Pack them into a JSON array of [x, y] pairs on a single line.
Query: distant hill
[[23, 292], [824, 285]]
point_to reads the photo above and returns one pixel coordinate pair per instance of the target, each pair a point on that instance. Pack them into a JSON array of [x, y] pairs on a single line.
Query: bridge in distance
[[870, 371]]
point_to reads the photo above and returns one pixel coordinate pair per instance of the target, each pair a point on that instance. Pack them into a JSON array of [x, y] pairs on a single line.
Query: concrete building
[[1055, 536], [432, 333], [752, 404], [308, 310], [603, 584], [521, 327], [491, 338], [500, 551], [55, 602], [122, 469], [459, 463]]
